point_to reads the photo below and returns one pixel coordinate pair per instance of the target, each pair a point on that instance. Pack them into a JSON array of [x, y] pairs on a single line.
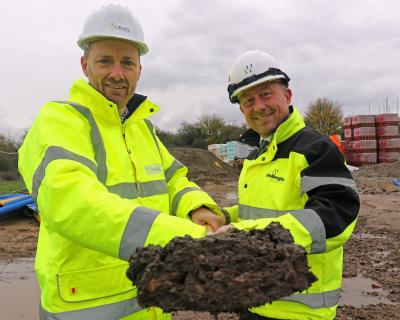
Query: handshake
[[214, 224]]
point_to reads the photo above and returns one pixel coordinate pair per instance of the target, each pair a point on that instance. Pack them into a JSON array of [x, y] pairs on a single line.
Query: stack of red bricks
[[371, 139], [387, 133], [360, 135]]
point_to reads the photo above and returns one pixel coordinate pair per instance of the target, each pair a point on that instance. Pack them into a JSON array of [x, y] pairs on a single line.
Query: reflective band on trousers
[[316, 300], [56, 153], [307, 217], [309, 183], [105, 312], [97, 141], [136, 230], [178, 197]]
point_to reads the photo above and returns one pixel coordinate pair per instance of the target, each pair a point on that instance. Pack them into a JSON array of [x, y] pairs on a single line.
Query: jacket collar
[[285, 130], [83, 93], [290, 126]]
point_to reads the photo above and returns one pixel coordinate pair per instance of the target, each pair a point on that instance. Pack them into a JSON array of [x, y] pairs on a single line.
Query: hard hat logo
[[248, 69], [114, 26]]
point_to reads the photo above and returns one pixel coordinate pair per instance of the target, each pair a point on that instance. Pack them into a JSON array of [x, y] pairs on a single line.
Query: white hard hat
[[250, 69], [113, 21]]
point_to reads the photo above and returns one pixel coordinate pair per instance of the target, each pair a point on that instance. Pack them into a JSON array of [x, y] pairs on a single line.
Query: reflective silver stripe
[[56, 153], [136, 230], [307, 217], [326, 299], [141, 189], [178, 197], [175, 166], [97, 141], [151, 188], [308, 183], [124, 190], [116, 310], [151, 128]]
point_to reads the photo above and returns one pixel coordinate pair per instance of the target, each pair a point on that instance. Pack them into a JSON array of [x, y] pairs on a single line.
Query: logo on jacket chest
[[152, 169], [274, 174]]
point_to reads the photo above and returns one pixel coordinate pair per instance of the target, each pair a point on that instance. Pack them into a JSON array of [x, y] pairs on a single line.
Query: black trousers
[[247, 315]]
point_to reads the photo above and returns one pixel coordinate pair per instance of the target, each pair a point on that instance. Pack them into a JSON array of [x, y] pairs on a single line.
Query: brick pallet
[[389, 144], [363, 146], [364, 133], [371, 139], [387, 132]]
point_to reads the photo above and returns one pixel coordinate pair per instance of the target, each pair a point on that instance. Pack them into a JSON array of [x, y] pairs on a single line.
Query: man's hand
[[223, 229], [207, 218]]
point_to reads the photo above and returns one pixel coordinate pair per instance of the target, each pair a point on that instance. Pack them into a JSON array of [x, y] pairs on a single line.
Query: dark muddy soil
[[226, 272]]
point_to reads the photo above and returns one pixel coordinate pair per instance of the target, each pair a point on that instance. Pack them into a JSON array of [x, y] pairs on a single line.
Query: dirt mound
[[377, 178], [379, 170], [203, 165], [228, 272]]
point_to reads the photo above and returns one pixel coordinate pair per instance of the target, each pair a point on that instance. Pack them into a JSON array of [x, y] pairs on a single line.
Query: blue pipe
[[24, 197], [15, 206], [11, 195], [33, 207]]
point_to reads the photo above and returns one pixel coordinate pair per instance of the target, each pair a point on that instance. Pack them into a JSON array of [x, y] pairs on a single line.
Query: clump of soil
[[228, 272]]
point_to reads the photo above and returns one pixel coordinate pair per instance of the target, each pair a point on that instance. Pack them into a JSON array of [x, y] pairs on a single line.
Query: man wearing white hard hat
[[103, 182], [299, 178]]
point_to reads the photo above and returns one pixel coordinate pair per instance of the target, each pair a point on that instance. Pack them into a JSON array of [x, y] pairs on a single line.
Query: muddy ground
[[372, 255]]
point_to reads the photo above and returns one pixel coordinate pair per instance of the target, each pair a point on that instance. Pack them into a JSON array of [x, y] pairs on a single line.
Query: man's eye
[[129, 63], [247, 102], [104, 61], [264, 94]]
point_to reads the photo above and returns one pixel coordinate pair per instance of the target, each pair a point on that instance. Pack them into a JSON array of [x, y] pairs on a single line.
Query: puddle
[[358, 292], [19, 291]]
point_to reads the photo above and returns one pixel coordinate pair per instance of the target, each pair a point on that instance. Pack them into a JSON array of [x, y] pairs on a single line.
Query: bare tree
[[211, 126], [325, 116]]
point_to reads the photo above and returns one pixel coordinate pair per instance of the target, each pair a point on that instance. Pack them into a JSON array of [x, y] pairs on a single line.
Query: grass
[[11, 186]]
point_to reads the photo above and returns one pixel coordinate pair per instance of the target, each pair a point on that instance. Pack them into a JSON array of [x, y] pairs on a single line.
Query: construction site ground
[[371, 283]]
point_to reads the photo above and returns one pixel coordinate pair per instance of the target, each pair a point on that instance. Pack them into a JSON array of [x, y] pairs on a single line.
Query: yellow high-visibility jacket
[[103, 188], [301, 181]]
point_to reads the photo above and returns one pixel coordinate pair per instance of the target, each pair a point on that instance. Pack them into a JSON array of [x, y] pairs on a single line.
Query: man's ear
[[84, 65], [288, 95], [240, 107]]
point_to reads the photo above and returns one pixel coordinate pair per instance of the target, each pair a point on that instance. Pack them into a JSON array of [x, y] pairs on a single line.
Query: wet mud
[[227, 272]]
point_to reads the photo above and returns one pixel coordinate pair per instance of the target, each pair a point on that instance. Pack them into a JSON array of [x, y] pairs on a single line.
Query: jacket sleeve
[[330, 212], [59, 168], [185, 196]]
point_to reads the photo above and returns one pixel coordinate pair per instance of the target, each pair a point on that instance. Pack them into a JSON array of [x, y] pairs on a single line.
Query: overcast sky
[[343, 50]]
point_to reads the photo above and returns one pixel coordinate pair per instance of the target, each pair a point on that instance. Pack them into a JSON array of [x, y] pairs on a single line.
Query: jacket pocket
[[96, 283]]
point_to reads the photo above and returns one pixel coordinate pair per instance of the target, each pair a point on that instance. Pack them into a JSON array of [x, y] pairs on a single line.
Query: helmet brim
[[235, 95], [84, 43]]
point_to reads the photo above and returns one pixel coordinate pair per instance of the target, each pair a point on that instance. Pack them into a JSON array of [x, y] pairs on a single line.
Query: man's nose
[[259, 104], [116, 71]]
